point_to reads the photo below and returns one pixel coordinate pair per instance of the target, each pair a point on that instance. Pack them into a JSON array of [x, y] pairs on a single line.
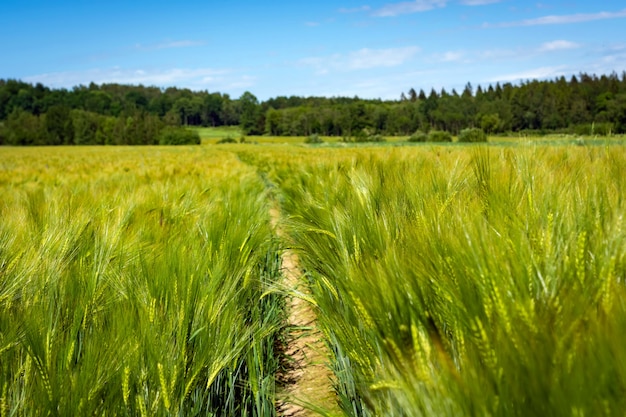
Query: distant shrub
[[593, 129], [361, 135], [369, 135], [530, 133], [178, 136], [313, 139], [472, 135], [439, 136], [365, 135], [376, 138], [418, 136], [227, 139], [602, 129]]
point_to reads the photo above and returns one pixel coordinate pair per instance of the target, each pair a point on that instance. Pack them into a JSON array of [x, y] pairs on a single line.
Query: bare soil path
[[307, 378]]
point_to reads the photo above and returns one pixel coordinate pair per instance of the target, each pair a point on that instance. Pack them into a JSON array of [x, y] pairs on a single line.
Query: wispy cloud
[[360, 60], [372, 58], [534, 73], [558, 45], [415, 6], [355, 9], [499, 54], [407, 7], [197, 78], [479, 2], [311, 24], [494, 55], [169, 45], [451, 56], [562, 19], [613, 58]]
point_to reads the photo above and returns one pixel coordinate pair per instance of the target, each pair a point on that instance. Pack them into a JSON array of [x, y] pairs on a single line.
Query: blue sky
[[369, 48]]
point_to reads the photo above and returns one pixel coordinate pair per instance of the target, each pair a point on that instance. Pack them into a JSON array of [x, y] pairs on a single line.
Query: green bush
[[227, 139], [593, 129], [602, 129], [418, 136], [376, 138], [439, 136], [313, 139], [365, 135], [178, 136], [472, 135]]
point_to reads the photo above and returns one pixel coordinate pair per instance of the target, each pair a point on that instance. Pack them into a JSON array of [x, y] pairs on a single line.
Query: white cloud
[[372, 58], [198, 78], [415, 6], [407, 7], [562, 19], [500, 54], [612, 58], [362, 59], [558, 45], [535, 73], [452, 56], [355, 9], [479, 2], [170, 45]]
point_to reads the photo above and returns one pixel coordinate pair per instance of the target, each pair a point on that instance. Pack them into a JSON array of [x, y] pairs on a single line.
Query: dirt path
[[308, 380]]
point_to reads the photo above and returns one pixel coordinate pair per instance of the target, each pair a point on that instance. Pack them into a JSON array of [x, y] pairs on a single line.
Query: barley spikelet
[[394, 350], [487, 354], [548, 248], [421, 351], [44, 376], [357, 249], [247, 278], [381, 385], [152, 310], [14, 262], [607, 285], [364, 316], [70, 355], [126, 385], [141, 405], [580, 257], [4, 402], [329, 286], [501, 309], [460, 343], [164, 388], [527, 314]]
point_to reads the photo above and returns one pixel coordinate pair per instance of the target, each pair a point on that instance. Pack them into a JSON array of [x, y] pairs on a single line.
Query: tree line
[[33, 114], [583, 104]]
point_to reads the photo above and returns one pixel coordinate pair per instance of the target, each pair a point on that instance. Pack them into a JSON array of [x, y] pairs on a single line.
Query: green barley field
[[449, 280]]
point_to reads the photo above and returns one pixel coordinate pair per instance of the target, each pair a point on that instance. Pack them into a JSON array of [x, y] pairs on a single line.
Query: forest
[[113, 114]]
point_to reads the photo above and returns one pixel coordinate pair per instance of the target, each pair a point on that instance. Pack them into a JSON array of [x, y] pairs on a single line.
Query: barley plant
[[132, 283], [454, 281], [463, 280]]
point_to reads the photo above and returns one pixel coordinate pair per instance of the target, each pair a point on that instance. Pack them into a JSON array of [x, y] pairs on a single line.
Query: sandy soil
[[307, 379]]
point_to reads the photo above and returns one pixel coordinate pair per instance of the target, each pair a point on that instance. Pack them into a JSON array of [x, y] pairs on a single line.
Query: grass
[[210, 135], [213, 134]]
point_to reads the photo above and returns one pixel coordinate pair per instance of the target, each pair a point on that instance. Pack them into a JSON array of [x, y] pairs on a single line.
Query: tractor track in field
[[305, 383], [307, 379]]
